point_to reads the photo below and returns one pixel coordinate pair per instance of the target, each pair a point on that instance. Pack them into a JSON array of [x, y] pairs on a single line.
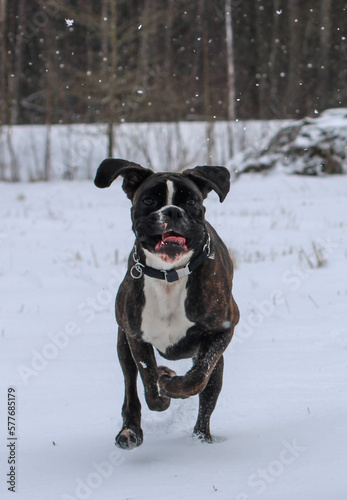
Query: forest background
[[111, 61]]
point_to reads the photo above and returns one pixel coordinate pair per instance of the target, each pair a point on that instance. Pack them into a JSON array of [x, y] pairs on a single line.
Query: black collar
[[170, 275]]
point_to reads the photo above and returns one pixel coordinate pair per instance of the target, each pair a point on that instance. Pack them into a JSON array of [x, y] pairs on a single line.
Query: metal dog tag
[[136, 268]]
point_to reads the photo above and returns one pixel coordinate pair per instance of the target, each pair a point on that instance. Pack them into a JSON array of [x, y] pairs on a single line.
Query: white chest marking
[[164, 321]]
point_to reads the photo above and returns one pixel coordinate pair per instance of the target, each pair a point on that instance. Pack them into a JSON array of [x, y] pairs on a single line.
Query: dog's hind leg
[[131, 434], [207, 402]]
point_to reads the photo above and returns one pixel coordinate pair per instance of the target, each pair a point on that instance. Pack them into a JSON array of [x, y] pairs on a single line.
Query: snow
[[310, 146], [280, 423]]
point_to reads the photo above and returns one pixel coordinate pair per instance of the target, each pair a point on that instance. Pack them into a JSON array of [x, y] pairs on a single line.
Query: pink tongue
[[174, 239], [171, 238]]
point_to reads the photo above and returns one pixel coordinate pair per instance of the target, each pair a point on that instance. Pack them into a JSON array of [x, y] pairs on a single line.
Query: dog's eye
[[148, 201], [191, 202]]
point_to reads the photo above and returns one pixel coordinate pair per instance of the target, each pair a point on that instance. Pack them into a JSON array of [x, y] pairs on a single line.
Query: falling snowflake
[[69, 22]]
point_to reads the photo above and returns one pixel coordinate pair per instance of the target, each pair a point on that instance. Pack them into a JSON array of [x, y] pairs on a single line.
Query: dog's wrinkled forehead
[[167, 189]]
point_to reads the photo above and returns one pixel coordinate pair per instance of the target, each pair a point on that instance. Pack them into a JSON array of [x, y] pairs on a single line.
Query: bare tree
[[169, 35], [293, 94], [3, 62], [325, 43], [274, 58], [17, 66], [6, 89], [109, 66], [49, 93], [144, 53], [230, 60], [231, 73]]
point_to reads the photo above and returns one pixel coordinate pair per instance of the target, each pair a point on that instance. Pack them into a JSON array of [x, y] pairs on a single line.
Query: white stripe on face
[[170, 192]]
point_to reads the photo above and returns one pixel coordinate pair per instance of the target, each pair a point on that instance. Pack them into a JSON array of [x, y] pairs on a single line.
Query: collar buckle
[[176, 274]]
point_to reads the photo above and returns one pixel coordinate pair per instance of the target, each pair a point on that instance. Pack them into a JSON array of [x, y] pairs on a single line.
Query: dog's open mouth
[[170, 238]]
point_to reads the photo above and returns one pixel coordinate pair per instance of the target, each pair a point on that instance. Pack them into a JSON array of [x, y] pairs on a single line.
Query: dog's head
[[168, 214]]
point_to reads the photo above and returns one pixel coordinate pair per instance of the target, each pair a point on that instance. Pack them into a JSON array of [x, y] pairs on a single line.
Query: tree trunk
[[3, 63], [274, 69], [6, 90], [47, 161], [325, 41], [144, 50], [206, 79], [110, 138], [104, 32], [109, 47], [231, 74], [18, 59], [49, 92], [293, 91], [113, 39], [168, 37], [206, 67], [310, 55], [230, 60]]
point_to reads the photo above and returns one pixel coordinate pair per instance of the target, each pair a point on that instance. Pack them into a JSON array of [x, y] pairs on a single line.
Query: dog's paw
[[203, 437], [166, 378], [129, 438], [172, 386], [164, 370], [158, 403]]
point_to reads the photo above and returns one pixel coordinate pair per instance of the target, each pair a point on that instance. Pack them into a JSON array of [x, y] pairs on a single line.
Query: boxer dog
[[176, 295]]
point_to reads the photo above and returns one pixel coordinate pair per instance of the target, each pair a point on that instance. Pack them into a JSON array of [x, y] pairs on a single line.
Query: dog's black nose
[[173, 213]]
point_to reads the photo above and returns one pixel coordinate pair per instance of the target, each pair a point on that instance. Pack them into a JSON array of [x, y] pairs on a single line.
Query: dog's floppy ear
[[209, 178], [133, 174]]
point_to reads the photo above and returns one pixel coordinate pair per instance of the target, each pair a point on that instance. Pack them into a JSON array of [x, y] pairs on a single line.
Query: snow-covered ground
[[280, 424]]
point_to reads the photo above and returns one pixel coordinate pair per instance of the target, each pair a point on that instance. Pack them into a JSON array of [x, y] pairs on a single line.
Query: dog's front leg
[[197, 378], [144, 358], [131, 434]]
